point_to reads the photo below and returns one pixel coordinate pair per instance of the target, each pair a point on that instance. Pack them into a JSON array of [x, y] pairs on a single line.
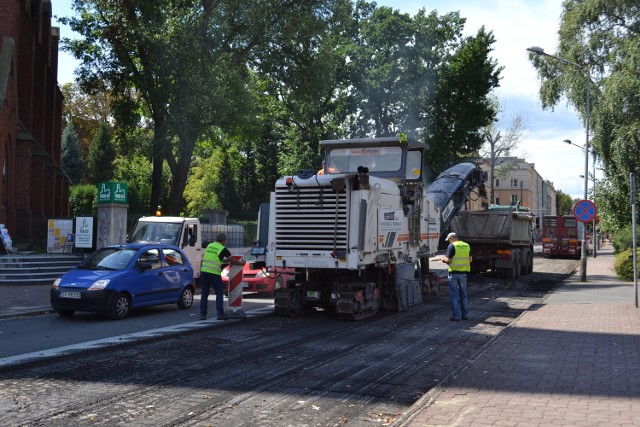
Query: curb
[[28, 312]]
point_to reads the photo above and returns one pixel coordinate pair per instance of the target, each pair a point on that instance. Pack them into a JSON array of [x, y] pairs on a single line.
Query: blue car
[[117, 279]]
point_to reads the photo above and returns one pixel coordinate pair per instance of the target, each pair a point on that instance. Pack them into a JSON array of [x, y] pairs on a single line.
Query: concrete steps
[[35, 268]]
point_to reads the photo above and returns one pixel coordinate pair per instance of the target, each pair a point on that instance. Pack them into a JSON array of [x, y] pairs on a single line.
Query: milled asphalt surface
[[573, 360]]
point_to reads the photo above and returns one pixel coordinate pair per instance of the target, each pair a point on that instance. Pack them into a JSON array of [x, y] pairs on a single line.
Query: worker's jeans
[[207, 281], [458, 294]]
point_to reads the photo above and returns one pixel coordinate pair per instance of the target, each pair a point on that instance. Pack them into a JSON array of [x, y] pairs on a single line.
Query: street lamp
[[521, 194], [540, 51], [595, 233]]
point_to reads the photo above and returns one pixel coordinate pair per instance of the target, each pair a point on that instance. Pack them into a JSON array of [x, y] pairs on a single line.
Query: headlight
[[261, 273], [99, 285], [56, 283]]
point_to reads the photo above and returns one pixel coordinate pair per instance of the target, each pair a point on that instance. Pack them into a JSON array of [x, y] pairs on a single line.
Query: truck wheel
[[279, 284], [524, 267], [530, 264], [516, 267]]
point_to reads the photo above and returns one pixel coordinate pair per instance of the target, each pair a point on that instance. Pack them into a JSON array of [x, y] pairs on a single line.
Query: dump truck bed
[[506, 227]]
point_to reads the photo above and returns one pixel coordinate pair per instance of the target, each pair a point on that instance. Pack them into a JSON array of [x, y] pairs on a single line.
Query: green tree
[[72, 163], [213, 183], [462, 105], [604, 38], [266, 162], [199, 193], [564, 203], [101, 156], [623, 239], [305, 87], [135, 169], [381, 69], [225, 184], [85, 111], [83, 199], [193, 75], [613, 206], [272, 80], [421, 77]]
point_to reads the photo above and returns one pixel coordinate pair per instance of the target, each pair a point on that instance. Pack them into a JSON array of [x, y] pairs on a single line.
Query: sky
[[516, 25]]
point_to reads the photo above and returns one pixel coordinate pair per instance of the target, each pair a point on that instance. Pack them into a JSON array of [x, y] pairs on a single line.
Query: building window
[[514, 199], [514, 183], [497, 182], [497, 200]]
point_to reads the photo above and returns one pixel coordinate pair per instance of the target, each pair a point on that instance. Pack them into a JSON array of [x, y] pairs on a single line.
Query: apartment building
[[517, 182]]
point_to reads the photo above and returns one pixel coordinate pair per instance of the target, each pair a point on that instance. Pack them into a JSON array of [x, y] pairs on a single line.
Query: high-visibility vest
[[211, 260], [460, 263]]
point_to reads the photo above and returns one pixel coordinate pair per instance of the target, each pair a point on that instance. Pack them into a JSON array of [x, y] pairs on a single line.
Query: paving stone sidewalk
[[574, 360]]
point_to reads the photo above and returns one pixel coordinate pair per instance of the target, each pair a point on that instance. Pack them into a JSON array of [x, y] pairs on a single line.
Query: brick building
[[33, 186]]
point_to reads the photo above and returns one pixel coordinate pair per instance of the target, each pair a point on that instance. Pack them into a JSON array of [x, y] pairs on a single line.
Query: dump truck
[[360, 232], [500, 238], [561, 236]]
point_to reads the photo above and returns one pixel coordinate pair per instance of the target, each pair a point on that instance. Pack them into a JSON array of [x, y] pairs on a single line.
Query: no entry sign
[[584, 210]]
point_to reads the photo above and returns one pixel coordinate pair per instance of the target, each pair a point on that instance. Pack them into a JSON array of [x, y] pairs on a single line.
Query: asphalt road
[[51, 334], [312, 370]]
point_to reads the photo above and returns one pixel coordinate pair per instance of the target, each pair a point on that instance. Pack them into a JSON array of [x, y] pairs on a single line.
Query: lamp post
[[540, 51], [595, 233], [521, 194]]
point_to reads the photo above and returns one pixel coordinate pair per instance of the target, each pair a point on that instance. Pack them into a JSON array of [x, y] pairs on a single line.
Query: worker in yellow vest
[[458, 257], [214, 256]]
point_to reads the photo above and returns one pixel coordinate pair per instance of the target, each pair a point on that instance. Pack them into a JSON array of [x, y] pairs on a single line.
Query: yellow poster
[[57, 232]]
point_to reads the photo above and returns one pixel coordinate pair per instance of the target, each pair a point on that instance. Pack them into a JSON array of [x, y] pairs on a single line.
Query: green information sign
[[113, 192]]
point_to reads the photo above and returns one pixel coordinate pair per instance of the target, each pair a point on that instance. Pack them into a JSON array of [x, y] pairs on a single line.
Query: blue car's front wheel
[[186, 298], [120, 306]]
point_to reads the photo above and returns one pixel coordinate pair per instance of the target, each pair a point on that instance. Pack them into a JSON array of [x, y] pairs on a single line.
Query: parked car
[[256, 278], [116, 279]]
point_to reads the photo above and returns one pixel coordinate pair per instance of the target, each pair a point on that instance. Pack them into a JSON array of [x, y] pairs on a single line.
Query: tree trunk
[[159, 147], [180, 172]]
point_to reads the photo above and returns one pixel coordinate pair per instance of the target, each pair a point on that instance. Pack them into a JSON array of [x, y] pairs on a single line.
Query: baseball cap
[[450, 235]]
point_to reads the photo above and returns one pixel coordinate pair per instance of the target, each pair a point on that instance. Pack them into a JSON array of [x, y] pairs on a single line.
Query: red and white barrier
[[235, 289]]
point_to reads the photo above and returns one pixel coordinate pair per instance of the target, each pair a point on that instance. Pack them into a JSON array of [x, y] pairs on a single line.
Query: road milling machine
[[359, 233]]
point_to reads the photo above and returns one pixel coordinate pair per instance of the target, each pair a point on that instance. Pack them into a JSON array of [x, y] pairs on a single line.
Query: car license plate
[[72, 295], [245, 284]]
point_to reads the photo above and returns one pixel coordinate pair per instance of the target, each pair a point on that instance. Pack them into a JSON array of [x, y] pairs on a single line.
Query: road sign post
[[584, 211]]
